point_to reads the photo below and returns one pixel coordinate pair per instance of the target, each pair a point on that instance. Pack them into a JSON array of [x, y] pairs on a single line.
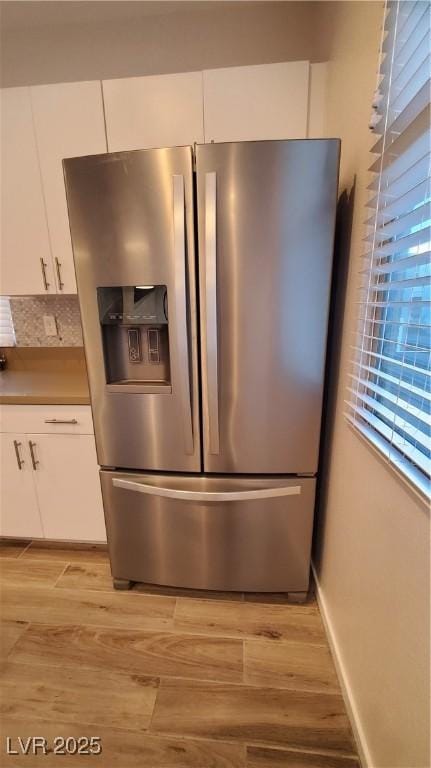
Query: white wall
[[372, 537], [45, 42]]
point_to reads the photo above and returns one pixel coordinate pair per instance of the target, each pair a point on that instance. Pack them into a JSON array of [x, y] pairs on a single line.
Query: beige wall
[[118, 39], [372, 542]]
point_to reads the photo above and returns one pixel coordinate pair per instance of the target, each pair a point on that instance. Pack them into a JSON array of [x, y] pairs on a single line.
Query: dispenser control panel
[[133, 305], [135, 334], [153, 345], [134, 343]]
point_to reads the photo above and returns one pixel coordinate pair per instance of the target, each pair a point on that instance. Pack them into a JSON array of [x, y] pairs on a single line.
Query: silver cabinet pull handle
[[19, 460], [61, 421], [59, 280], [174, 493], [34, 461], [43, 268], [181, 311], [211, 311]]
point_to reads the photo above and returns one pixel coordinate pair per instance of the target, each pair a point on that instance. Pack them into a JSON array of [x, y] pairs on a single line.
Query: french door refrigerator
[[204, 278]]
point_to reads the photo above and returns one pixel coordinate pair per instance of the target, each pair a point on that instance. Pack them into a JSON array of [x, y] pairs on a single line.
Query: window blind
[[7, 333], [389, 394]]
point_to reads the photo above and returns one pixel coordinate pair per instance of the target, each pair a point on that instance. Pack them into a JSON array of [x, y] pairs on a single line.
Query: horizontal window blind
[[7, 333], [389, 394]]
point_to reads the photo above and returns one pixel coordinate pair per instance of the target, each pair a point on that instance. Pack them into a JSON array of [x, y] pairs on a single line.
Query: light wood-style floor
[[167, 678]]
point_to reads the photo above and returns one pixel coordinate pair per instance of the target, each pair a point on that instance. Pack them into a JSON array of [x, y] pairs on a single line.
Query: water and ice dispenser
[[134, 324]]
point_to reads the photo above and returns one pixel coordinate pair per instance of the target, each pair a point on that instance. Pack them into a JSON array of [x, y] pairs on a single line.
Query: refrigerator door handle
[[181, 310], [216, 496], [211, 351]]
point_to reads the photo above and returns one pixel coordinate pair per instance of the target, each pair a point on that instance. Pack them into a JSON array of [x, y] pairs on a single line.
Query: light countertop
[[44, 376]]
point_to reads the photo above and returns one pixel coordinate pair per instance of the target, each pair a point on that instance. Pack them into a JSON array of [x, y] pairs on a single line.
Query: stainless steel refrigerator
[[204, 279]]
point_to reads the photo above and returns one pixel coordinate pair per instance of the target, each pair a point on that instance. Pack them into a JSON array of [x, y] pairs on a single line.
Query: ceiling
[[20, 14]]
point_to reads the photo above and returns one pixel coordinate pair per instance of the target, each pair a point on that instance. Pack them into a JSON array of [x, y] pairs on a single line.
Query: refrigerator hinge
[[306, 474]]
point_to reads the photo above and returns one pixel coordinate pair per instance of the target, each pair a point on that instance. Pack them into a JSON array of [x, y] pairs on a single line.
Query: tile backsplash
[[28, 312]]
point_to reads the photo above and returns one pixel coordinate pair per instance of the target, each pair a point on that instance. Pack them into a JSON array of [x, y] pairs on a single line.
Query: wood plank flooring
[[167, 678], [71, 693], [255, 620], [152, 653], [98, 576], [13, 547], [10, 632], [303, 666]]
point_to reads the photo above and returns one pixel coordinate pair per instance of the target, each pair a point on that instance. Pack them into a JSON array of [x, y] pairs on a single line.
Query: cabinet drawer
[[47, 419]]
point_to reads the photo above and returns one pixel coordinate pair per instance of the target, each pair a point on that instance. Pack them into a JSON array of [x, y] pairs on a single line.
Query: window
[[7, 333], [389, 393]]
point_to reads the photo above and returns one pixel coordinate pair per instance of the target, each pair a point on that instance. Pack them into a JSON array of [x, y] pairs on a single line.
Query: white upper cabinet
[[25, 246], [155, 111], [266, 101], [317, 101], [69, 122], [44, 124]]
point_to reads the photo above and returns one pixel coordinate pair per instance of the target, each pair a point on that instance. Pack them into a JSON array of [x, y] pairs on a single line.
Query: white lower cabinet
[[50, 480], [68, 487], [19, 510]]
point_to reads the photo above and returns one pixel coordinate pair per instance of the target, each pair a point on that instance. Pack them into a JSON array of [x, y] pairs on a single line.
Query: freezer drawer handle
[[172, 493], [181, 311], [211, 350]]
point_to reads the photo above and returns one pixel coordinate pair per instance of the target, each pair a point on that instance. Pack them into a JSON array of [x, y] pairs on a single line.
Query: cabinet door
[[69, 122], [266, 101], [318, 100], [156, 111], [19, 515], [24, 240], [68, 487]]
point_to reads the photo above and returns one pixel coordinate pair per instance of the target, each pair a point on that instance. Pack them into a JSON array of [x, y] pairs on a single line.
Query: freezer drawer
[[224, 533]]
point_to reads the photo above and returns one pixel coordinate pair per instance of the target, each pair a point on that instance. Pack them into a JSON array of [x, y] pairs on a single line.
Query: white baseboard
[[346, 690]]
